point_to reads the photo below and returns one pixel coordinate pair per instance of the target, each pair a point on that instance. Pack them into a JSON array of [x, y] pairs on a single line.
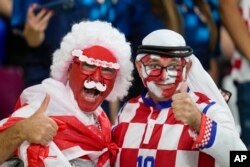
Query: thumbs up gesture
[[184, 108], [39, 128]]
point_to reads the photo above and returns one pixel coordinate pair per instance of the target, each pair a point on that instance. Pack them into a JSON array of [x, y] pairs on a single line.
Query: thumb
[[183, 87], [43, 107]]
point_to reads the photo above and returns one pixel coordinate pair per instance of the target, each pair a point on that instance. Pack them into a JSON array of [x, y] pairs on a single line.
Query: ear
[[188, 68], [70, 66], [138, 66], [69, 69]]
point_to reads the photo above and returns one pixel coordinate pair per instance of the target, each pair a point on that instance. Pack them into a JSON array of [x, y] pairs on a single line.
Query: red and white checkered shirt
[[149, 135]]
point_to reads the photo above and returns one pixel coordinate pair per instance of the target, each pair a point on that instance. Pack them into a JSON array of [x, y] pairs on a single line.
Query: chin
[[88, 108]]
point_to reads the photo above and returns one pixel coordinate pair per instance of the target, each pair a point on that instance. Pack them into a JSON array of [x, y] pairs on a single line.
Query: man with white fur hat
[[180, 119], [92, 64]]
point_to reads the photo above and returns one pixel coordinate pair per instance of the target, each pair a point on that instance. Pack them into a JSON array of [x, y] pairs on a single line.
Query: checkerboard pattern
[[149, 137]]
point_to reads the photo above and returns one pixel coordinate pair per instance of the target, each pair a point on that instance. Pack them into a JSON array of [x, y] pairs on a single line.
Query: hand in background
[[36, 25]]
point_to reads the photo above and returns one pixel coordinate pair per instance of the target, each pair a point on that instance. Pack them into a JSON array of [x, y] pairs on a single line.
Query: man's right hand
[[35, 26], [39, 128]]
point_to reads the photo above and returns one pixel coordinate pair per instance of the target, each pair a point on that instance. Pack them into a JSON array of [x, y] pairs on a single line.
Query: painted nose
[[97, 76], [164, 74]]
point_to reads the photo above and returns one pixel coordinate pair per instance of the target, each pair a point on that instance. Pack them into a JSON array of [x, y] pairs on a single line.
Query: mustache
[[93, 84]]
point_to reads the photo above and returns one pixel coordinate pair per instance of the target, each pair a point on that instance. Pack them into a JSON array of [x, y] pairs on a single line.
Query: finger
[[44, 142], [45, 20], [41, 13], [46, 139], [54, 125], [183, 87], [43, 107], [30, 13], [178, 97]]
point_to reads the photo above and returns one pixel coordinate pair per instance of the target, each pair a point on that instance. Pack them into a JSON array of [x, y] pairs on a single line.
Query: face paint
[[92, 76], [161, 75]]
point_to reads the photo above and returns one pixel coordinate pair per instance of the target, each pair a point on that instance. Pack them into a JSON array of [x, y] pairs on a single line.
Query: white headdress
[[198, 79], [89, 33]]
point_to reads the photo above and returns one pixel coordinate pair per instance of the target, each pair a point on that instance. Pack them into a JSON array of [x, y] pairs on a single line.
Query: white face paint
[[154, 89]]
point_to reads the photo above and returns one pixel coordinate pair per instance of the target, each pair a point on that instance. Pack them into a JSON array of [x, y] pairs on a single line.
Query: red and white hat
[[89, 33]]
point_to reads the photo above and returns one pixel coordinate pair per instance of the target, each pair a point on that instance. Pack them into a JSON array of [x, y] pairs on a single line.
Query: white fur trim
[[97, 62], [89, 33]]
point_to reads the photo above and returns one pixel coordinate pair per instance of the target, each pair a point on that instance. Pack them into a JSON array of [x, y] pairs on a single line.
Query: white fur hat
[[86, 34]]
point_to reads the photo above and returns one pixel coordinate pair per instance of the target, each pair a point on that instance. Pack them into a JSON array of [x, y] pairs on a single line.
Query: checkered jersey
[[151, 136]]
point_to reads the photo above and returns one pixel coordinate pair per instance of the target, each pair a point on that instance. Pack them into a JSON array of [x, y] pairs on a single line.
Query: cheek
[[76, 80], [110, 85], [162, 93], [145, 78]]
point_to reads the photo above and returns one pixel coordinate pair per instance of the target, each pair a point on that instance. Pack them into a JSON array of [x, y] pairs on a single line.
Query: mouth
[[165, 86], [91, 94]]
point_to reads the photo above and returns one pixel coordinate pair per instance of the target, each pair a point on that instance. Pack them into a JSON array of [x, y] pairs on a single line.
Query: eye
[[107, 70], [174, 67], [87, 66], [154, 66]]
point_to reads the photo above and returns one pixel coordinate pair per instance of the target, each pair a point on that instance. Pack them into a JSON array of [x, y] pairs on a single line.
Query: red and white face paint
[[162, 75], [92, 76]]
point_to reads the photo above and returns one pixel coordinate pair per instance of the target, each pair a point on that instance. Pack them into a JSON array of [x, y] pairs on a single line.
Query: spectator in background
[[11, 81], [235, 18], [5, 14], [198, 21], [227, 82]]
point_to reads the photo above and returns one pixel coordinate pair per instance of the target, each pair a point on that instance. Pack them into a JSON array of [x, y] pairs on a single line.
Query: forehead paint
[[97, 55], [147, 58]]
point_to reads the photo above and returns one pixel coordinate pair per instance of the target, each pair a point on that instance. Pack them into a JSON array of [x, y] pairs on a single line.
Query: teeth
[[90, 94]]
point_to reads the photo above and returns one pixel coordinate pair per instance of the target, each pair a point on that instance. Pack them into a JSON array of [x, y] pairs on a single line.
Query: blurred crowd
[[28, 37]]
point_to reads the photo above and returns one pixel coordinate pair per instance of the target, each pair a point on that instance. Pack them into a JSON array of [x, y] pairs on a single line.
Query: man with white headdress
[[92, 64], [180, 119]]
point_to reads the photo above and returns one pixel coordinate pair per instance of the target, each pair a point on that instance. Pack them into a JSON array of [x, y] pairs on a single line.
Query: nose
[[164, 74], [96, 76]]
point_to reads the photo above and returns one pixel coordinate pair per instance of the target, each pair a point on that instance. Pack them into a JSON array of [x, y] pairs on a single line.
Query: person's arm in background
[[214, 71], [6, 8], [35, 26], [38, 128], [235, 25], [213, 27]]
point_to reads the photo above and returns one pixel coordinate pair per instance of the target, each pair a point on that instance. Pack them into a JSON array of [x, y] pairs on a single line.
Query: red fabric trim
[[35, 155], [86, 137], [19, 104], [202, 131], [237, 64]]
